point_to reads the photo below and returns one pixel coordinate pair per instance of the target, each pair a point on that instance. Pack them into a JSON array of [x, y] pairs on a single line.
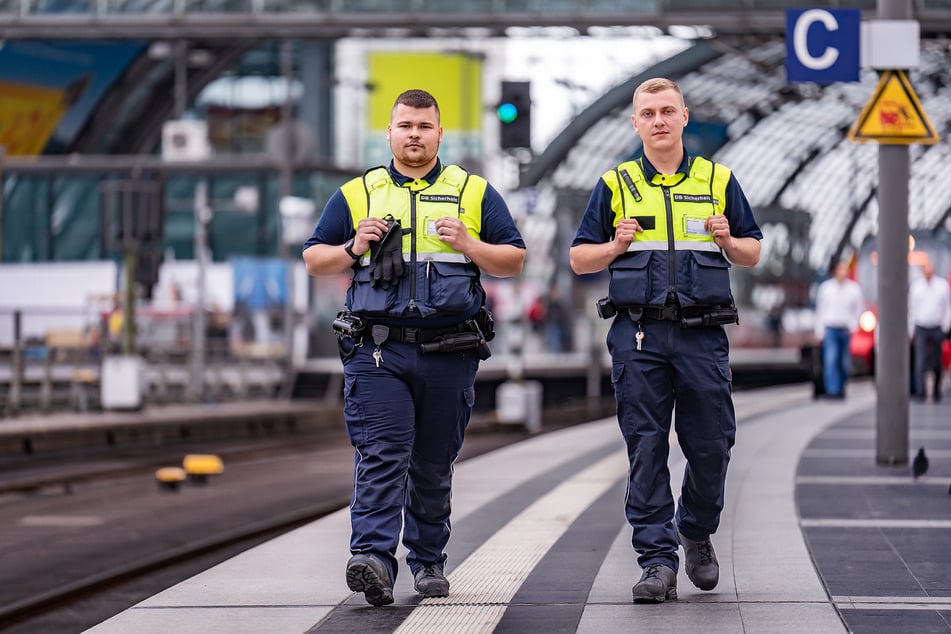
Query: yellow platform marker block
[[200, 466], [170, 477]]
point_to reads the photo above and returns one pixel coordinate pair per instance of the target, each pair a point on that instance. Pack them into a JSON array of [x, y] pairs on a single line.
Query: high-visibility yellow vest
[[438, 280], [674, 255]]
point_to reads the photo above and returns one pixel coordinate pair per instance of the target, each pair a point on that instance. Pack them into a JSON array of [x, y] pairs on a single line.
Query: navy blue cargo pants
[[686, 368], [406, 419]]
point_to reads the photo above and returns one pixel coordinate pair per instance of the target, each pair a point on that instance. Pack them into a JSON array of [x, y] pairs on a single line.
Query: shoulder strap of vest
[[625, 175], [716, 174], [701, 168], [457, 178], [454, 176], [628, 174], [375, 177], [620, 193], [704, 169], [471, 190], [357, 191]]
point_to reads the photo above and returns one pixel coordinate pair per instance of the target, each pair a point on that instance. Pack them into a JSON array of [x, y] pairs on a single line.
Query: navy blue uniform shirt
[[335, 226], [597, 224]]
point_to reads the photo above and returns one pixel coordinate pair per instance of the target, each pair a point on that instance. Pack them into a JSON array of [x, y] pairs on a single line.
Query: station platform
[[815, 537], [53, 432]]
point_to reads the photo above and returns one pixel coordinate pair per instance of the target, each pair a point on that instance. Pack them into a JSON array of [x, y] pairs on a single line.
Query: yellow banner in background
[[29, 116], [453, 78]]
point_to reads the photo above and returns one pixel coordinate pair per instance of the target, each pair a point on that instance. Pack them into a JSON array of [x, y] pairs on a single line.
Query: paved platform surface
[[815, 537]]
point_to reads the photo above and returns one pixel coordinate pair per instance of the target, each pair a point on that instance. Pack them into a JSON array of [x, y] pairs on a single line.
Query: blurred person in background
[[416, 235], [668, 226], [559, 324], [929, 320], [774, 319], [839, 305]]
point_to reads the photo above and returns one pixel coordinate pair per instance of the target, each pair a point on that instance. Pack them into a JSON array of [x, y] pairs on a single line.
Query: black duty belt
[[690, 317], [671, 312], [382, 332]]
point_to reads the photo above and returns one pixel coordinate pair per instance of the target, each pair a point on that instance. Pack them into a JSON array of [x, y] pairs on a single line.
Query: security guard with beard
[[668, 226], [416, 234]]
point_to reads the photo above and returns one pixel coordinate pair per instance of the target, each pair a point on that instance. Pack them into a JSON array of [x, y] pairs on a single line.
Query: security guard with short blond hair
[[417, 236], [667, 227]]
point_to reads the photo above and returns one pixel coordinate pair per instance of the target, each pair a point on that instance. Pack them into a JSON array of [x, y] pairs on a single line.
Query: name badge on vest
[[695, 198], [439, 198], [431, 228], [696, 227]]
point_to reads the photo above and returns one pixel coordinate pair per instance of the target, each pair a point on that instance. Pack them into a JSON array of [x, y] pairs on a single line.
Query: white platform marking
[[487, 580]]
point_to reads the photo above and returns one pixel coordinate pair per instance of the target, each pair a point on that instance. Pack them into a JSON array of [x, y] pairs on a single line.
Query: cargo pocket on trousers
[[727, 373], [617, 378], [468, 395], [353, 411], [727, 416]]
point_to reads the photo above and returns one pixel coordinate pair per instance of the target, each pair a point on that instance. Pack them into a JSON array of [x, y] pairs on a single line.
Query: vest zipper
[[671, 254], [412, 250]]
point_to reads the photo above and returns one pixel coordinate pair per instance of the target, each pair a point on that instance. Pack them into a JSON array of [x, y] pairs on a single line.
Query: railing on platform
[[62, 369]]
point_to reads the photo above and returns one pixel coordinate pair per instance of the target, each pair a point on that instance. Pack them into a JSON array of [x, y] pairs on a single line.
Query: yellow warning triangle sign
[[893, 115]]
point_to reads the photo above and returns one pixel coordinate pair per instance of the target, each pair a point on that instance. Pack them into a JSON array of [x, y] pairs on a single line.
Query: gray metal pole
[[287, 189], [180, 91], [202, 218], [16, 380], [130, 257], [892, 361], [287, 120]]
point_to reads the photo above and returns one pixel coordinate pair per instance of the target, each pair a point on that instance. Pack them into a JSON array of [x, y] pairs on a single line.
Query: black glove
[[386, 258]]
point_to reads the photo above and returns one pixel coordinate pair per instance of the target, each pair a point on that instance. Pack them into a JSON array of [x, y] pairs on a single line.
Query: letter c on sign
[[801, 33]]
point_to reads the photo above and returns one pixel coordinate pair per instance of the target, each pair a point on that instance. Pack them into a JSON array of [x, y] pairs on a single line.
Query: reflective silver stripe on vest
[[365, 259], [458, 258], [680, 245]]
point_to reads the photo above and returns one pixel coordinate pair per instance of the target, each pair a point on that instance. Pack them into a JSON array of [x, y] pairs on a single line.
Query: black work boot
[[367, 574], [431, 582], [657, 584], [700, 562]]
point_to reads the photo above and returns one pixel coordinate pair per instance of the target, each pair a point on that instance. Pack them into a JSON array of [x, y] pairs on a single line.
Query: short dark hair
[[417, 99]]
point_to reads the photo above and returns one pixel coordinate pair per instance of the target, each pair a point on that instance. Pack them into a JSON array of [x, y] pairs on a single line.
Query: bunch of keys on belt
[[639, 337]]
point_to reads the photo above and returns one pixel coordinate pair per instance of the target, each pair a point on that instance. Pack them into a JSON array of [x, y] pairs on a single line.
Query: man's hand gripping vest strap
[[386, 260]]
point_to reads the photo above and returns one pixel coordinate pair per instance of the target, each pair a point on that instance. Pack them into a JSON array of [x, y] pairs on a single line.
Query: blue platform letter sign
[[822, 45]]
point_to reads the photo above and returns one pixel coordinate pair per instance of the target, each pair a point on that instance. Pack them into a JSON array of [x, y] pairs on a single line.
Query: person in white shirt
[[929, 318], [839, 304]]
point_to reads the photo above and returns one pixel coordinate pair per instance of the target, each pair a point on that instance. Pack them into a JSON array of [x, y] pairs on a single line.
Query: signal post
[[829, 45], [894, 118]]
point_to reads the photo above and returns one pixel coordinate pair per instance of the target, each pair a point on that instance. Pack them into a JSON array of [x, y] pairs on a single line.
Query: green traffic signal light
[[507, 113], [515, 115]]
